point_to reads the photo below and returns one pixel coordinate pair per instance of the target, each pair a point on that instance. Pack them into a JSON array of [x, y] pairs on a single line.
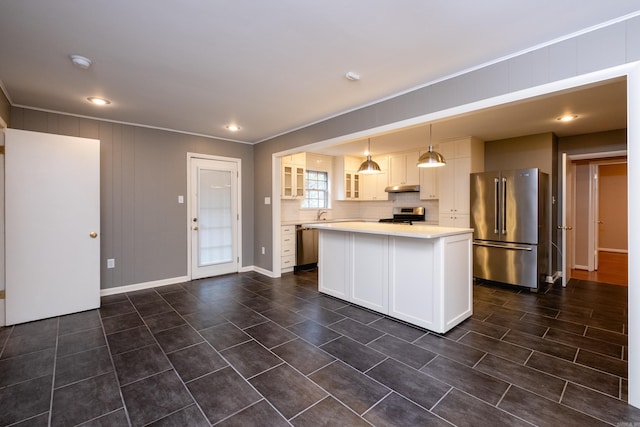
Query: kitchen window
[[316, 190]]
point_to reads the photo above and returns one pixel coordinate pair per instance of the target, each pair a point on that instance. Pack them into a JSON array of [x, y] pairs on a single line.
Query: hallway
[[612, 269]]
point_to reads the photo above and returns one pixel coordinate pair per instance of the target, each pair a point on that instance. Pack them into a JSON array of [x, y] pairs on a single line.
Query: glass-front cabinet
[[293, 172], [348, 182]]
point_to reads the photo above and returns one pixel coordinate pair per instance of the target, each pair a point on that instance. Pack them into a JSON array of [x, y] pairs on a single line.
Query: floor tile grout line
[[53, 374], [195, 402], [230, 365], [4, 344], [115, 371], [249, 406]]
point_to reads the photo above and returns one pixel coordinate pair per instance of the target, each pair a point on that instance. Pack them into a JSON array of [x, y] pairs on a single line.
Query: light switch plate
[[267, 200], [111, 263], [180, 199]]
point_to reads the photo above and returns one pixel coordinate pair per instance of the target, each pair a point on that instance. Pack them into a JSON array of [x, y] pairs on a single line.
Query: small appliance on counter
[[509, 215], [406, 215]]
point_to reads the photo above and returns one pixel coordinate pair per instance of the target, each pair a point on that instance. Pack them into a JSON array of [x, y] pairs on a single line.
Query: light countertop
[[325, 221], [390, 229]]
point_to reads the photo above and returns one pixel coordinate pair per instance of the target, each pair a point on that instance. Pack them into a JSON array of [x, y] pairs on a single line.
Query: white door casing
[[52, 225], [213, 216], [566, 228]]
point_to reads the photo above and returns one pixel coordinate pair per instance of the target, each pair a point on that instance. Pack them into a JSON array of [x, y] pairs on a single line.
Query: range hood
[[403, 188]]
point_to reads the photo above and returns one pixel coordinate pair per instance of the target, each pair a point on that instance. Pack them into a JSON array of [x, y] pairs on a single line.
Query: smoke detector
[[80, 61], [352, 76]]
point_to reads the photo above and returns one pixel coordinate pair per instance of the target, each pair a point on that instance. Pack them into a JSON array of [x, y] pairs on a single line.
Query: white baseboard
[[141, 286], [171, 281], [618, 251], [580, 267], [554, 277], [265, 272]]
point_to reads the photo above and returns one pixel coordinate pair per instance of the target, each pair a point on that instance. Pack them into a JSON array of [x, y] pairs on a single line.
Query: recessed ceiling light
[[567, 117], [233, 128], [98, 101], [80, 61]]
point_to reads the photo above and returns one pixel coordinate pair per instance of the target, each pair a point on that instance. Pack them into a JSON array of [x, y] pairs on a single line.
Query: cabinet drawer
[[288, 229], [287, 239], [288, 250], [288, 261]]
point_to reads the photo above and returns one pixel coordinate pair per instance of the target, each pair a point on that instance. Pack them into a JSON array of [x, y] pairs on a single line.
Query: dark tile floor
[[245, 349]]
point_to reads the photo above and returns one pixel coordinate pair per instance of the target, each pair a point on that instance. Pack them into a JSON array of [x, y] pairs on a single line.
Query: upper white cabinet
[[373, 185], [463, 156], [429, 184], [347, 182], [292, 179], [403, 169]]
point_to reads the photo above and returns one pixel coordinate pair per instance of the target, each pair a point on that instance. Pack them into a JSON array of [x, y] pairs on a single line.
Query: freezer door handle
[[496, 203], [504, 205], [495, 245]]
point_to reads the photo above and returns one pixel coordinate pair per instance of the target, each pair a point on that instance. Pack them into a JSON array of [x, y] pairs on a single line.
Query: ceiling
[[196, 66]]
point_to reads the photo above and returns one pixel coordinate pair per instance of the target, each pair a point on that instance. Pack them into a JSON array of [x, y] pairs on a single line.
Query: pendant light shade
[[431, 159], [369, 166]]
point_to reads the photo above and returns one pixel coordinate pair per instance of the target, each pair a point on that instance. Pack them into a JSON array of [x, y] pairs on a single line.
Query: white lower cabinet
[[287, 248], [413, 270], [334, 245], [425, 282], [370, 271]]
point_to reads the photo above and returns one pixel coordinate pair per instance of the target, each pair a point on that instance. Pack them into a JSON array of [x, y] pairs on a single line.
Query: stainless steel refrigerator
[[509, 215]]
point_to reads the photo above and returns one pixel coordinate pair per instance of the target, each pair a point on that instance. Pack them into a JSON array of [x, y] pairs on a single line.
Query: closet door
[[52, 204]]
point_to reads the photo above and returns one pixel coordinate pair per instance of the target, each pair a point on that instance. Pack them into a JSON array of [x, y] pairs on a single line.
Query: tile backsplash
[[369, 210]]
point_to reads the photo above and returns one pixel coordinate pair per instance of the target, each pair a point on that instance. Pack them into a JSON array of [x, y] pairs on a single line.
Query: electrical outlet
[[263, 250], [111, 263]]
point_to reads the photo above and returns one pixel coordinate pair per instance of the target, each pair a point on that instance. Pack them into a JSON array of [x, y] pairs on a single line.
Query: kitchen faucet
[[319, 216]]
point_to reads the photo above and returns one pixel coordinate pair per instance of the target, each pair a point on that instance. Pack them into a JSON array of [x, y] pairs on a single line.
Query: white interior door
[[566, 245], [214, 217], [52, 203]]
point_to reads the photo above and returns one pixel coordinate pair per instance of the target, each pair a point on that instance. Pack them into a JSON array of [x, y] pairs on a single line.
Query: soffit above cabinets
[[599, 107]]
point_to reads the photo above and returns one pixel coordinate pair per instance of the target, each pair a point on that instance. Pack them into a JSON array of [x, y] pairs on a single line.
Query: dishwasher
[[306, 246]]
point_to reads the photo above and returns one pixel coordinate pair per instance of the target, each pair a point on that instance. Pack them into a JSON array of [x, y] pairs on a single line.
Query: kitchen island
[[420, 274]]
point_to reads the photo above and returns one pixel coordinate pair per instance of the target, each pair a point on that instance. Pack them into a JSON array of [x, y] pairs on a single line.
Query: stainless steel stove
[[406, 215]]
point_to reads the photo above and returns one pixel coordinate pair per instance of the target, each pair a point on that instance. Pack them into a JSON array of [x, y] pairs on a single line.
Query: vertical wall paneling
[[143, 171]]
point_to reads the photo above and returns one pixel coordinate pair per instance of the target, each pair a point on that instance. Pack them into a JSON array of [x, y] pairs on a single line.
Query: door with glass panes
[[214, 217]]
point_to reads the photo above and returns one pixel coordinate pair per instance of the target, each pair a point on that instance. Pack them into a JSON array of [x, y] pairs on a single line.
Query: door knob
[[195, 228], [93, 234]]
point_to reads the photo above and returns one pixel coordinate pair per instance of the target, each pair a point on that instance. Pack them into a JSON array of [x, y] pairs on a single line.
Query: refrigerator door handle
[[496, 203], [495, 245], [504, 206]]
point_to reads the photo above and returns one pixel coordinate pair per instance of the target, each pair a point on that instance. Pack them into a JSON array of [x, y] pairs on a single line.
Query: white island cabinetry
[[416, 273]]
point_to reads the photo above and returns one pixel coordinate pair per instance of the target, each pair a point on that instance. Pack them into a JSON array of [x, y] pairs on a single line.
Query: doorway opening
[[600, 223]]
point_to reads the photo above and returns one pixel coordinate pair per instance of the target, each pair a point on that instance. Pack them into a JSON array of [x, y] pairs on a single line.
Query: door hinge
[[2, 149], [238, 217]]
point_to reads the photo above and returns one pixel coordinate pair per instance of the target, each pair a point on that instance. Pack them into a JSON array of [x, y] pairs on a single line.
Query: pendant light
[[369, 166], [431, 159]]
